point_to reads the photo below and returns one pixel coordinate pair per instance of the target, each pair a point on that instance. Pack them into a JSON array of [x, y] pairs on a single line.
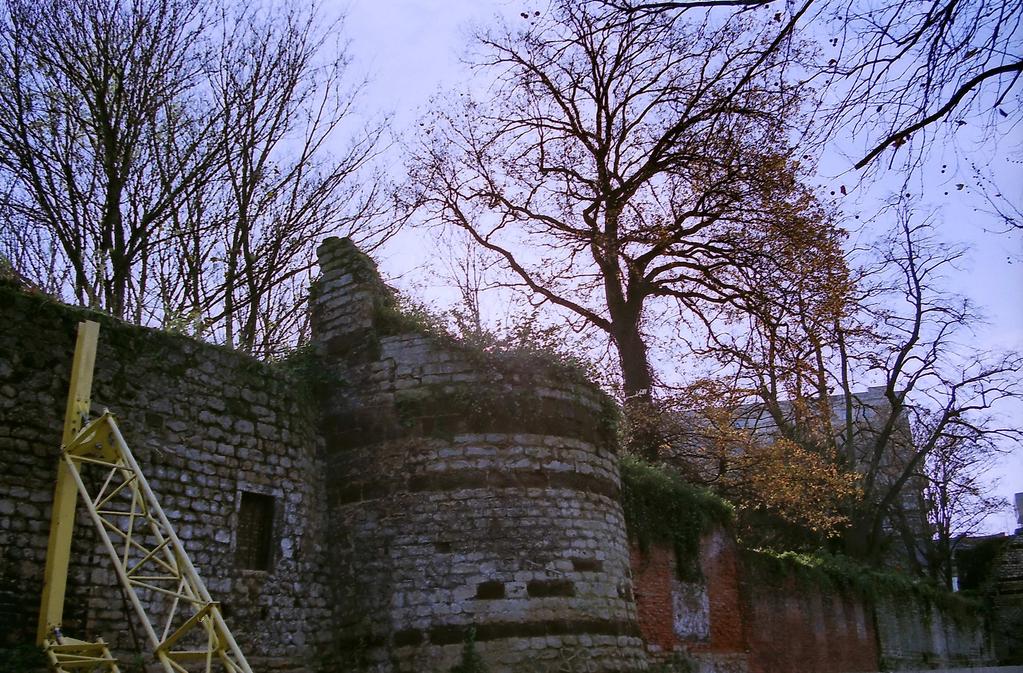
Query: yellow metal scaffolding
[[183, 624]]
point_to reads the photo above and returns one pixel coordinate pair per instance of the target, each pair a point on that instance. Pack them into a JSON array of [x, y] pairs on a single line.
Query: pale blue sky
[[411, 50]]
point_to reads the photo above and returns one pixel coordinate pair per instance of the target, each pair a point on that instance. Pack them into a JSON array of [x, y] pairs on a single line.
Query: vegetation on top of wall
[[307, 366], [174, 349], [13, 292], [396, 314], [523, 348], [843, 573], [662, 508]]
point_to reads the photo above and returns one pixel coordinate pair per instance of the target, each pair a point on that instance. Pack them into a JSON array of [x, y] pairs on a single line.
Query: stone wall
[[421, 495], [206, 424], [915, 633], [992, 567], [1007, 601], [473, 495]]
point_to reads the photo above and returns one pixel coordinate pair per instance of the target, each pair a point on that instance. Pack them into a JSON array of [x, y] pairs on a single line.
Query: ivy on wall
[[662, 508], [841, 573]]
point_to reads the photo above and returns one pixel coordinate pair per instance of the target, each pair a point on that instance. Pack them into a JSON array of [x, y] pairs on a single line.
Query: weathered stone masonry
[[468, 493], [414, 491], [419, 491], [208, 425]]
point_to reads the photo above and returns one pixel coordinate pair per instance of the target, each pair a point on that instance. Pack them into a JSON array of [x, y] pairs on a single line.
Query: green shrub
[[519, 345]]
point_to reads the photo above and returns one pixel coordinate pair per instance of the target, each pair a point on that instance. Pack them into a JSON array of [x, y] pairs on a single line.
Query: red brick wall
[[654, 581], [719, 562], [799, 628], [651, 582], [775, 628]]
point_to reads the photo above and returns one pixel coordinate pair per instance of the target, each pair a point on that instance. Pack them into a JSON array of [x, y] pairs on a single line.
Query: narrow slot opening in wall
[[255, 531]]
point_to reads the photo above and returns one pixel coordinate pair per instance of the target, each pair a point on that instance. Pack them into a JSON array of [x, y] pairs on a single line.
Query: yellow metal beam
[[74, 655], [155, 573], [148, 557], [62, 520]]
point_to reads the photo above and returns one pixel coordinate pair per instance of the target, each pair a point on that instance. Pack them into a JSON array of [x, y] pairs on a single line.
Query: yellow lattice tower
[[183, 625]]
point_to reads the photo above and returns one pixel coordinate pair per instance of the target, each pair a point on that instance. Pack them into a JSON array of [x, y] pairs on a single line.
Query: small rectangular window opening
[[255, 531]]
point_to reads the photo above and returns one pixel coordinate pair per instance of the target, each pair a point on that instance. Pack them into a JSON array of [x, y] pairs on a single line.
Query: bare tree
[[466, 267], [934, 381], [88, 92], [623, 169], [895, 70], [28, 254], [180, 158], [280, 85], [959, 498], [906, 67]]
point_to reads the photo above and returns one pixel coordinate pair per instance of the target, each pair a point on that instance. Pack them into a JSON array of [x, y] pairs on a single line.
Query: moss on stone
[[471, 661], [178, 354]]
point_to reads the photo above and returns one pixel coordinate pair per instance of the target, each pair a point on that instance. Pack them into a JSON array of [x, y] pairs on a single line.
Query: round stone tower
[[473, 496]]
